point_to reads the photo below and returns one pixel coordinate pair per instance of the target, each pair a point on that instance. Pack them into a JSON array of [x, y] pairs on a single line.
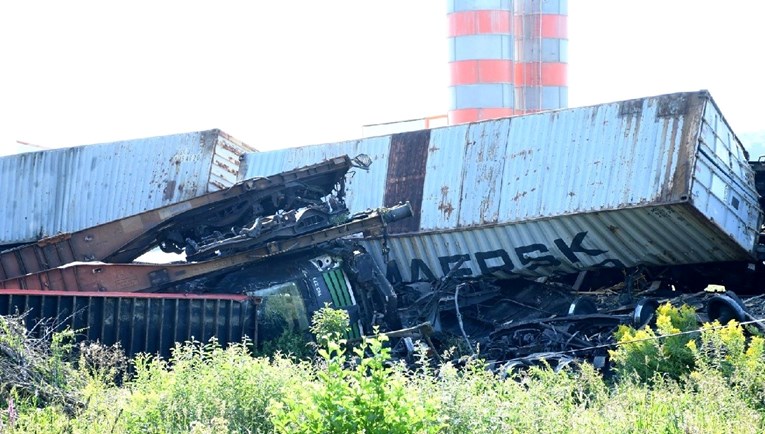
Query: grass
[[208, 389]]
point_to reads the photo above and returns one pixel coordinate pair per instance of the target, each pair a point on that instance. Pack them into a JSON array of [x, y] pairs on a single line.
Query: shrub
[[726, 351], [350, 395], [36, 369], [203, 385], [664, 351], [669, 406], [329, 324], [289, 343], [104, 363]]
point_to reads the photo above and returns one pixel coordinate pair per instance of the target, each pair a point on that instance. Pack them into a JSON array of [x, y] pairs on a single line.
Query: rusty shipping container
[[65, 190], [140, 322], [659, 181]]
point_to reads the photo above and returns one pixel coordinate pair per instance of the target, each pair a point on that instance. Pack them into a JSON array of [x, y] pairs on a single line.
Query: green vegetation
[[642, 355], [698, 382]]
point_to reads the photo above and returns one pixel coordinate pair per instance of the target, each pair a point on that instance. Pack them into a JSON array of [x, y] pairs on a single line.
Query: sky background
[[287, 73]]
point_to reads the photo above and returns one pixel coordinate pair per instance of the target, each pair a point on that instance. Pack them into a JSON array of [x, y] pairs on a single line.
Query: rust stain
[[223, 144], [54, 239], [445, 206], [484, 209], [407, 165], [167, 193], [523, 154], [519, 195], [225, 167]]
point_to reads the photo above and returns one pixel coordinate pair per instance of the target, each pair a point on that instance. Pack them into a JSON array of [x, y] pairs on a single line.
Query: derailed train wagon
[[139, 322], [232, 240], [654, 181]]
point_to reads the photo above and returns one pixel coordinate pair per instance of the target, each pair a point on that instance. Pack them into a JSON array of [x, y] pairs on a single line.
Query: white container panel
[[364, 189], [722, 180], [442, 191], [585, 160], [482, 173], [65, 190], [225, 170]]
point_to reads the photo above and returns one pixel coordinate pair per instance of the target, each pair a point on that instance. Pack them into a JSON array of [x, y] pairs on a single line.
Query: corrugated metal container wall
[[140, 322], [68, 189], [659, 180]]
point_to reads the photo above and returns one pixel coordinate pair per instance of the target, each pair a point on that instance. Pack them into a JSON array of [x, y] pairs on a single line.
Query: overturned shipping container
[[654, 181], [65, 190]]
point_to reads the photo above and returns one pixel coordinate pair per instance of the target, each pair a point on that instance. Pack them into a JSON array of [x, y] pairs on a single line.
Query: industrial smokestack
[[542, 54], [480, 59], [506, 58]]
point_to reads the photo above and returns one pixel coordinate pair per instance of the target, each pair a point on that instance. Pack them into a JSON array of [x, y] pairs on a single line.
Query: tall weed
[[363, 393], [727, 352], [205, 388], [664, 351], [204, 385]]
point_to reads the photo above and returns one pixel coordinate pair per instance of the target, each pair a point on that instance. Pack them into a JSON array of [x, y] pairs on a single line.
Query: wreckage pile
[[521, 323], [481, 236]]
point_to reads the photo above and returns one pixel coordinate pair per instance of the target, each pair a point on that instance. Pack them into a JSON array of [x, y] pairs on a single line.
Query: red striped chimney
[[542, 55], [480, 59], [506, 57]]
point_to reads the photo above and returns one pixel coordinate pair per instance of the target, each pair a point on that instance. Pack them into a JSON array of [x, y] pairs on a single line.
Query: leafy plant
[[205, 384], [103, 363], [329, 324], [665, 351], [205, 388], [726, 351], [349, 395], [288, 343]]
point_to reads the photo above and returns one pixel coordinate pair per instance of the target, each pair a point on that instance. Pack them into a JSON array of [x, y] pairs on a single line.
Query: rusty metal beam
[[125, 239], [151, 277]]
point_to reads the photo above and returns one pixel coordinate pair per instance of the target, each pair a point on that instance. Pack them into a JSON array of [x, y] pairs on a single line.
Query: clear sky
[[288, 73]]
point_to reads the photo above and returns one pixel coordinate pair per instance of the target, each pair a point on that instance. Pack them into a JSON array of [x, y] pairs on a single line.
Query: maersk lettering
[[392, 273], [536, 261], [447, 261], [483, 258], [576, 246], [529, 257], [419, 267]]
